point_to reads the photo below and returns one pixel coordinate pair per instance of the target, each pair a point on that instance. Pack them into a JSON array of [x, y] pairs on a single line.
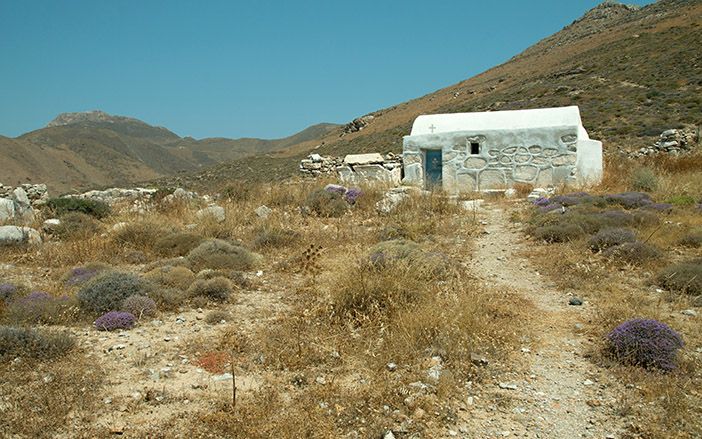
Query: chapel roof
[[497, 120]]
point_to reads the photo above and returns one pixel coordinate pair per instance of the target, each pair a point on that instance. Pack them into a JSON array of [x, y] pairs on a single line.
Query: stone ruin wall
[[355, 168], [540, 157]]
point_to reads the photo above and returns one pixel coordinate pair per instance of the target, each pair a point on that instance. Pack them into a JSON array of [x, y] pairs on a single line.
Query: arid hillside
[[82, 150], [633, 72]]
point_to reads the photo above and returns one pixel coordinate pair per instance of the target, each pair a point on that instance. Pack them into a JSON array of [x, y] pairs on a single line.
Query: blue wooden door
[[432, 168]]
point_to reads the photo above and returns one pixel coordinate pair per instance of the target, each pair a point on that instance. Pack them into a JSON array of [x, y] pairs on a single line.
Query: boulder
[[15, 235], [7, 210], [50, 225], [392, 199], [215, 212], [363, 159]]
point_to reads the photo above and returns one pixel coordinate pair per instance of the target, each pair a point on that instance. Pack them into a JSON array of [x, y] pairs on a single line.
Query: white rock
[[471, 205], [263, 211], [510, 193], [7, 210], [14, 235], [363, 159], [689, 312], [223, 377], [215, 212]]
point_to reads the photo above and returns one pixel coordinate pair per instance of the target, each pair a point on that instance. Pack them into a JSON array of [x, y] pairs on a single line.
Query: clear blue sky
[[252, 68]]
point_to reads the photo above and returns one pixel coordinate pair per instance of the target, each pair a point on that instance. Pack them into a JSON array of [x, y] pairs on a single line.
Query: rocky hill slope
[[80, 150], [633, 71]]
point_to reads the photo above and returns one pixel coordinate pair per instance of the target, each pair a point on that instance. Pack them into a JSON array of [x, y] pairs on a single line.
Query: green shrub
[[237, 277], [326, 204], [94, 208], [634, 253], [33, 343], [175, 277], [217, 289], [559, 233], [107, 291], [41, 308], [274, 237], [426, 264], [219, 254], [683, 278], [607, 238], [77, 225], [177, 243], [643, 179], [393, 232], [139, 306], [682, 200]]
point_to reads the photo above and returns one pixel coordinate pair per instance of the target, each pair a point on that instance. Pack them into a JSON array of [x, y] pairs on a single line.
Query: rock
[[50, 225], [263, 211], [392, 367], [7, 210], [223, 377], [471, 205], [14, 235], [508, 386], [389, 435], [511, 193], [689, 312], [574, 301], [363, 159], [215, 212], [588, 383], [478, 360], [392, 199]]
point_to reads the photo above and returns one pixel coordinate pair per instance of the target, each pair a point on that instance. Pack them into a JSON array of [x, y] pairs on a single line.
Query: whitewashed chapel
[[464, 152]]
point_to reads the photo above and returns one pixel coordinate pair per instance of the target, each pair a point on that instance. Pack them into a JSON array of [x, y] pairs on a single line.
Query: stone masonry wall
[[545, 156]]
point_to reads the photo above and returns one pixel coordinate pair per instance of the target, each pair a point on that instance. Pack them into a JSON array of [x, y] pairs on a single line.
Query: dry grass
[[661, 405]]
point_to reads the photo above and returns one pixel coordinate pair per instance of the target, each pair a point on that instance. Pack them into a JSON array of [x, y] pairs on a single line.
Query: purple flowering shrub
[[659, 207], [139, 306], [336, 189], [541, 202], [107, 291], [352, 195], [607, 238], [550, 207], [629, 200], [115, 320], [80, 275], [645, 342]]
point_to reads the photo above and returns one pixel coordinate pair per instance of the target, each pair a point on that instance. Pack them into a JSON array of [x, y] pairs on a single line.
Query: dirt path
[[561, 394]]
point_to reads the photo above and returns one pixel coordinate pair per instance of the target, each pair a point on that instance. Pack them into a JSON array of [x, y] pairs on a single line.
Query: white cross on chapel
[[432, 128]]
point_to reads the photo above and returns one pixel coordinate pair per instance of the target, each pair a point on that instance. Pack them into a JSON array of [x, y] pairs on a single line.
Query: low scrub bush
[[216, 317], [77, 225], [274, 237], [94, 208], [682, 200], [236, 277], [683, 278], [33, 343], [634, 253], [219, 254], [115, 320], [107, 291], [393, 232], [141, 234], [175, 277], [218, 289], [691, 240], [645, 218], [629, 200], [327, 204], [168, 298], [139, 306], [558, 233], [607, 238], [643, 179], [645, 342], [7, 291], [39, 307], [176, 243], [431, 264], [365, 291], [82, 274]]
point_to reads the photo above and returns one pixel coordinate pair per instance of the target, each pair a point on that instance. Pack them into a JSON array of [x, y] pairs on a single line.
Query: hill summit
[[88, 116]]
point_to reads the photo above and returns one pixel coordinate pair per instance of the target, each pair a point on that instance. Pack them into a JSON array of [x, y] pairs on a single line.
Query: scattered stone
[[478, 360], [263, 211], [15, 235], [223, 377], [215, 212], [689, 312], [508, 386], [392, 367], [574, 301], [472, 205], [389, 435], [588, 382]]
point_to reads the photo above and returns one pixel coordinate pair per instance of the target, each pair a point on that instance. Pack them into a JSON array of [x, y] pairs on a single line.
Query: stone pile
[[673, 142], [315, 165], [355, 168], [357, 124], [37, 194], [16, 206], [137, 200]]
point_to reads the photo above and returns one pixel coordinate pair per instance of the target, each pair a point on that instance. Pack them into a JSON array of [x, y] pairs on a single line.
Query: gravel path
[[561, 394]]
